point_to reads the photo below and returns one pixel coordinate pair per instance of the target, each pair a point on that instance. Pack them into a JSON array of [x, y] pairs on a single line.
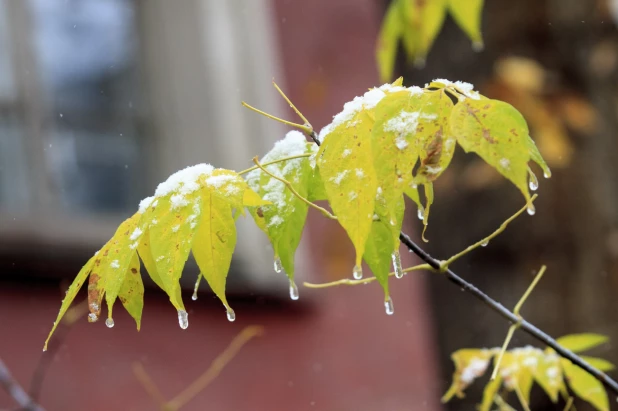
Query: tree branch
[[15, 390], [525, 326]]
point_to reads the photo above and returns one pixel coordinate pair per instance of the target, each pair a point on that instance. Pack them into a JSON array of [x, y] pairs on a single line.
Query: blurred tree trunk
[[575, 229]]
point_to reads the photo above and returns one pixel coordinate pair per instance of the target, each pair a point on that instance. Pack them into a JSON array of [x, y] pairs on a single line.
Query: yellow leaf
[[469, 365], [498, 133], [214, 243], [585, 385], [76, 285], [489, 393], [467, 14], [581, 342], [422, 22], [388, 39], [598, 363], [131, 293], [548, 374]]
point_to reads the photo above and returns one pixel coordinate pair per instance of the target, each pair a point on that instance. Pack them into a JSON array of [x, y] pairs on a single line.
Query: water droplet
[[197, 285], [485, 243], [547, 173], [533, 182], [92, 317], [293, 291], [531, 210], [231, 315], [109, 322], [420, 213], [94, 307], [478, 46], [397, 264], [388, 306], [194, 296], [357, 273], [183, 319], [277, 265]]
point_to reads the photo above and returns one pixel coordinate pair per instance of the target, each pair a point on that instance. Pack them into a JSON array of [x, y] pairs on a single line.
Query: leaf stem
[[293, 107], [304, 128], [486, 240], [347, 281], [293, 190], [275, 162]]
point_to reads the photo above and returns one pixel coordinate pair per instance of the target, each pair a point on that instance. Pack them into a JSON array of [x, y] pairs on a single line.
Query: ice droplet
[[388, 306], [397, 264], [183, 319], [277, 265], [478, 46], [533, 182], [357, 272], [485, 243], [547, 173], [231, 315], [197, 285], [531, 210], [109, 322], [293, 291], [420, 213], [194, 296], [92, 318]]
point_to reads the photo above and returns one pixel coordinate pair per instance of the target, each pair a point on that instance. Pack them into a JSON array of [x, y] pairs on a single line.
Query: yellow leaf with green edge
[[422, 21], [283, 221], [115, 264], [252, 199], [174, 222], [548, 374], [470, 364], [378, 252], [489, 393], [214, 242], [346, 165], [498, 133], [581, 342], [598, 363], [131, 293], [467, 15], [585, 386], [145, 253], [388, 40], [71, 293], [435, 145]]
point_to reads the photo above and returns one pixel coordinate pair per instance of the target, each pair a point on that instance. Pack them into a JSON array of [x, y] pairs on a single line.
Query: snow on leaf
[[470, 364], [284, 220], [498, 133]]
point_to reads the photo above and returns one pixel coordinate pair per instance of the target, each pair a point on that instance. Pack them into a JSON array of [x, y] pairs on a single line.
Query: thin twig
[[149, 385], [347, 281], [12, 387], [303, 118], [306, 129], [293, 190], [216, 367], [275, 162]]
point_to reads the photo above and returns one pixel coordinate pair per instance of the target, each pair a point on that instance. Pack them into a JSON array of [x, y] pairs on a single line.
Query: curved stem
[[306, 129], [293, 190], [275, 162], [347, 281]]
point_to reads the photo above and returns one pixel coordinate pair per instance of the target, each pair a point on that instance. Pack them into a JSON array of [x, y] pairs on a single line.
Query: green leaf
[[378, 252], [316, 190], [131, 293], [422, 22], [284, 220], [581, 342], [498, 133], [71, 293], [467, 15], [598, 363], [214, 242], [585, 386], [388, 39]]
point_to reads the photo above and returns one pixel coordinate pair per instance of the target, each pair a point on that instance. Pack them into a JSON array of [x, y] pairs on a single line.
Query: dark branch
[[529, 328], [525, 326], [15, 390]]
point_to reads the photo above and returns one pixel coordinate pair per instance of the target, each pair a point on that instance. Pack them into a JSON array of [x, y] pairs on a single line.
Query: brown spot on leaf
[[134, 270], [487, 136], [260, 212]]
